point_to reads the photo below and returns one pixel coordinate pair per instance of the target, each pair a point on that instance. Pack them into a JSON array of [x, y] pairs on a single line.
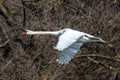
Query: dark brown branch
[[24, 13]]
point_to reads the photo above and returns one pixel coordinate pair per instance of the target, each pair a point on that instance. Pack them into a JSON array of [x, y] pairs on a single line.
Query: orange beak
[[24, 33]]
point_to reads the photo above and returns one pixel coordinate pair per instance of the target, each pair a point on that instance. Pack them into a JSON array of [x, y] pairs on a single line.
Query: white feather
[[68, 54], [67, 39]]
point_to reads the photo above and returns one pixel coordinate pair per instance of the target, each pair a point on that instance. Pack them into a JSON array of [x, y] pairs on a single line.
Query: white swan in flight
[[69, 42]]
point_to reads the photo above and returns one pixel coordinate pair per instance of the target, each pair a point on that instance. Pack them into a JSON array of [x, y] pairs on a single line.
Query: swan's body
[[69, 42]]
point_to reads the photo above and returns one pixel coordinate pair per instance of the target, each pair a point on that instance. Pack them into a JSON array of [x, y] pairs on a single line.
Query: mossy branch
[[6, 42]]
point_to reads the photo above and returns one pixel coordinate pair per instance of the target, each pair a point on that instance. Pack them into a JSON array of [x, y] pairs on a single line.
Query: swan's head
[[27, 32]]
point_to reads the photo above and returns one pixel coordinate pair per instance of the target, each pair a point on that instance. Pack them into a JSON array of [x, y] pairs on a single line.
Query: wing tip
[[62, 62], [59, 49]]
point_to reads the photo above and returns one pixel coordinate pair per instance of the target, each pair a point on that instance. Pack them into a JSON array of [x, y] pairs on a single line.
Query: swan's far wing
[[68, 54]]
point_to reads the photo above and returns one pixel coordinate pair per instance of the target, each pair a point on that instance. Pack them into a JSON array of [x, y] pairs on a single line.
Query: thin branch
[[9, 62], [5, 43], [102, 56], [100, 63], [24, 13]]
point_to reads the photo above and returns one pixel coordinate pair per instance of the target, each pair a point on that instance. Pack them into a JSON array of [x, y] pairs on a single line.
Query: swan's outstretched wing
[[67, 39], [67, 54]]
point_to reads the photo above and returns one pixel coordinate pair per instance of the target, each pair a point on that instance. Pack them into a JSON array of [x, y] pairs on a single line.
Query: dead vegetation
[[33, 57]]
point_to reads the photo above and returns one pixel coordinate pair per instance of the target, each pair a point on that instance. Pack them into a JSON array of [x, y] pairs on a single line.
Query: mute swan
[[69, 42]]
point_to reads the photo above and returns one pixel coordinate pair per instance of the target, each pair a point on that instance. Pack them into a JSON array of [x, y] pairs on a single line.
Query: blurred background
[[24, 57]]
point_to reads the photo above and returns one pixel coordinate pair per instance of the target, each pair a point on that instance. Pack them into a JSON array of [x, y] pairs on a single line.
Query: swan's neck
[[56, 33]]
